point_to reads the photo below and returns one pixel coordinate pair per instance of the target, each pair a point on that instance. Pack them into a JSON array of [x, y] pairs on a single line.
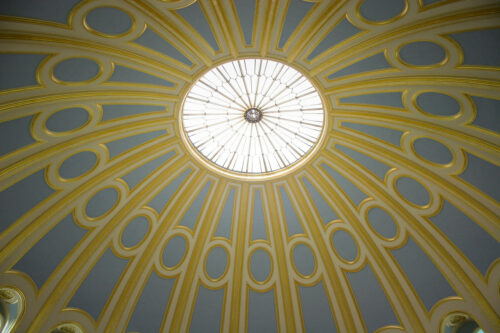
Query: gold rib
[[188, 287], [144, 261], [278, 239], [238, 286], [343, 314]]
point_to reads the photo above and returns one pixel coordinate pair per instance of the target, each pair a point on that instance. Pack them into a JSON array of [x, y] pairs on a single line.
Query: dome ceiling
[[109, 222]]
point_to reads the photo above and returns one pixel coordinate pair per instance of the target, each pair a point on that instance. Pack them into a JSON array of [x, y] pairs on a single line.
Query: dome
[[373, 209]]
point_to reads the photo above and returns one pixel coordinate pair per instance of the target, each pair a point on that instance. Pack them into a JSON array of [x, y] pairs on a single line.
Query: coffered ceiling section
[[109, 222]]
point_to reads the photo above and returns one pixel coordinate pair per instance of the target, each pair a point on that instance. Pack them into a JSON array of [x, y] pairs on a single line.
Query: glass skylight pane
[[253, 116]]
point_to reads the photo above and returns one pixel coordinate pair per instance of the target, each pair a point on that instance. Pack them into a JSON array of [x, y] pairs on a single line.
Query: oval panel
[[382, 222], [174, 251], [344, 245], [101, 203], [78, 164], [216, 262], [109, 20], [432, 150], [303, 259], [135, 231], [422, 53], [381, 10], [260, 265], [412, 191], [76, 70], [67, 119], [438, 104]]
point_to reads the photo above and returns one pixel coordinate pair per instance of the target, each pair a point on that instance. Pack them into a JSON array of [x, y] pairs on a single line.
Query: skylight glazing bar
[[253, 116]]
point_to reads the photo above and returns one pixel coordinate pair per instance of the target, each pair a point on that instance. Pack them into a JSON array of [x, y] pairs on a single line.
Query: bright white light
[[288, 126]]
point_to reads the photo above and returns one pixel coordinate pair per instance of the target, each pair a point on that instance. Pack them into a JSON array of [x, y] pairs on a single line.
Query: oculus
[[252, 117]]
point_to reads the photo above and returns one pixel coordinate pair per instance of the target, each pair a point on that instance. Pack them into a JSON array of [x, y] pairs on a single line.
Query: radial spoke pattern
[[287, 114], [249, 166]]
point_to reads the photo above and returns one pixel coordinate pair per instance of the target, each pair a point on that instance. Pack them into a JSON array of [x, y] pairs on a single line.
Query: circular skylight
[[253, 116]]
